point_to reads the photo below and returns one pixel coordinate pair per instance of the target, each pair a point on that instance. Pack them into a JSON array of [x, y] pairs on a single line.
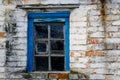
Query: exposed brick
[[2, 34], [94, 53], [94, 41], [72, 54], [62, 76]]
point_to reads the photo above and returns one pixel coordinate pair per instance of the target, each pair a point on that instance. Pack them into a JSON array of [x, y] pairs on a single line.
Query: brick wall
[[94, 41]]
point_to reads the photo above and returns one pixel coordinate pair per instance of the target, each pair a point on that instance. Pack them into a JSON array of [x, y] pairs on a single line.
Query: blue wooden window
[[46, 21]]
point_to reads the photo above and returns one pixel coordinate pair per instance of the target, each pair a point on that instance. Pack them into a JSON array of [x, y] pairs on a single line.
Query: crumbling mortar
[[10, 28]]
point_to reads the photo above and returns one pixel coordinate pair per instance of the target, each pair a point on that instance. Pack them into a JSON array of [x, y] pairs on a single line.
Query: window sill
[[51, 72]]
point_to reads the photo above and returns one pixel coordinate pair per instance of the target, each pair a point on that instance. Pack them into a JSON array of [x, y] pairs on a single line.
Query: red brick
[[2, 34], [72, 54], [90, 53], [62, 76], [94, 53], [99, 53], [94, 41]]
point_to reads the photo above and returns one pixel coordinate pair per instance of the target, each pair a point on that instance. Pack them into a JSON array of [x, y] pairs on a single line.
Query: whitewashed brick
[[112, 40], [112, 28], [97, 34], [116, 23], [94, 18], [78, 36], [112, 52], [3, 58], [72, 59], [20, 13], [2, 69], [78, 47], [20, 41], [2, 22], [114, 6], [2, 76], [2, 18], [16, 64], [20, 52], [99, 77], [97, 65], [22, 24], [2, 11], [20, 29], [80, 24], [83, 60], [78, 30], [115, 1], [73, 42], [95, 46], [77, 65], [95, 24], [15, 69], [20, 46], [17, 58], [114, 65], [94, 12], [97, 59], [2, 64], [100, 71], [68, 1], [21, 34], [14, 76], [92, 29]]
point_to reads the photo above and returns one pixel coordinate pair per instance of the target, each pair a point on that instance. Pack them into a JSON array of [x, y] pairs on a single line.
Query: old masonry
[[59, 39]]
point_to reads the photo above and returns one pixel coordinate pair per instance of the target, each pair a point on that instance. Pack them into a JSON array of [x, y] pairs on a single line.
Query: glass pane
[[41, 47], [57, 45], [41, 63], [57, 63], [57, 30], [41, 30]]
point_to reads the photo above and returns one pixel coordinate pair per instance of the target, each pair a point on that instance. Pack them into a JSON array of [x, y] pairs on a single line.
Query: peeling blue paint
[[30, 49]]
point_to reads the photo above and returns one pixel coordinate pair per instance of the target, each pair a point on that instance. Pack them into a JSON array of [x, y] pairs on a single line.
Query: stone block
[[73, 76], [53, 76], [40, 75]]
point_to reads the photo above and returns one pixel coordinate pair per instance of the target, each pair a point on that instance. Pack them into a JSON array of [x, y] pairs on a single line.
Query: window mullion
[[49, 56]]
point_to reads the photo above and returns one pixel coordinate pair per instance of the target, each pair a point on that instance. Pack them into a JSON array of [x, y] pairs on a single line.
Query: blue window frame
[[41, 16]]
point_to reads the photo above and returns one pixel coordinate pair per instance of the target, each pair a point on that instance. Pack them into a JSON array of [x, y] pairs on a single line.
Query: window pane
[[57, 30], [41, 47], [57, 63], [41, 30], [57, 45], [41, 63]]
